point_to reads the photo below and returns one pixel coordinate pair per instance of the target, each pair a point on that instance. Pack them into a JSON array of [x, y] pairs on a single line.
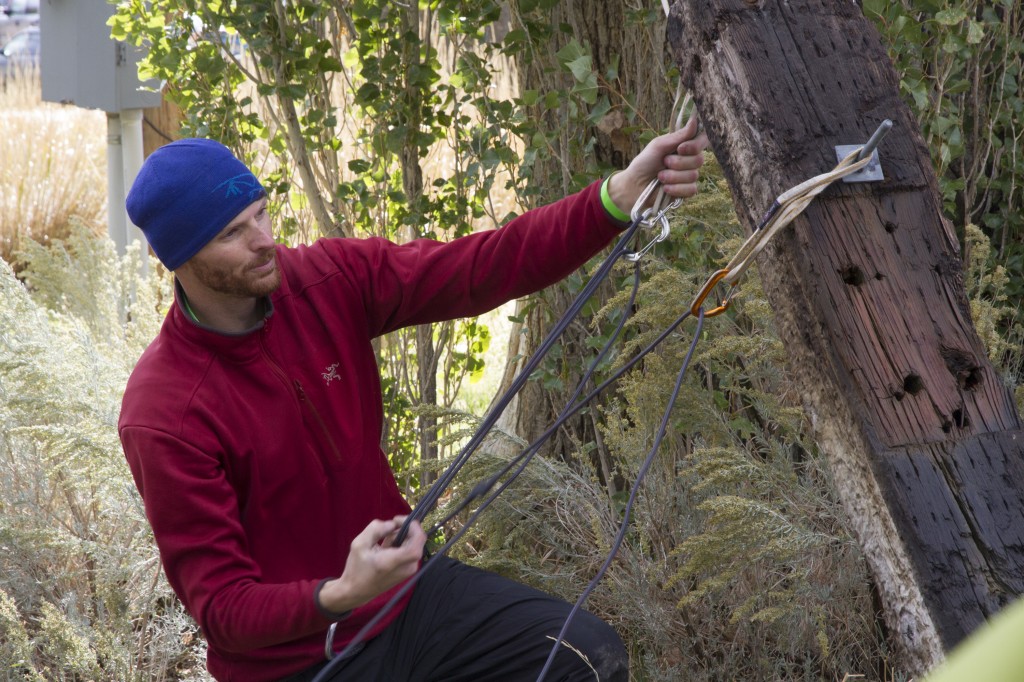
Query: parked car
[[11, 23], [20, 6], [21, 52]]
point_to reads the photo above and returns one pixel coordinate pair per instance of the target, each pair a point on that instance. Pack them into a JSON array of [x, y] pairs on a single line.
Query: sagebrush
[[81, 591]]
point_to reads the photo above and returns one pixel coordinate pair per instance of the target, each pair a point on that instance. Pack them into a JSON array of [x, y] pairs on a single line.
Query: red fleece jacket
[[258, 455]]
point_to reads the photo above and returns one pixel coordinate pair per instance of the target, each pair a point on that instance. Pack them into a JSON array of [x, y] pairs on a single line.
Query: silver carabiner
[[662, 217], [656, 205], [645, 219], [642, 199]]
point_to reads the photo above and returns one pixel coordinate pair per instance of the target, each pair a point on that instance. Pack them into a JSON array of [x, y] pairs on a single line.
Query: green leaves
[[951, 17], [959, 63], [574, 58]]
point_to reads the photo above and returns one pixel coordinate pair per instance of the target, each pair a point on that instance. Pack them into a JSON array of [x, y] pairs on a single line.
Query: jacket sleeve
[[195, 517], [430, 281]]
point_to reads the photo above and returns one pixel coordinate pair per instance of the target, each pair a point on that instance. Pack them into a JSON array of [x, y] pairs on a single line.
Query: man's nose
[[259, 238]]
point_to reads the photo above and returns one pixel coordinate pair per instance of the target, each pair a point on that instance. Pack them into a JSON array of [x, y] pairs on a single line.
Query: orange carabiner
[[703, 294]]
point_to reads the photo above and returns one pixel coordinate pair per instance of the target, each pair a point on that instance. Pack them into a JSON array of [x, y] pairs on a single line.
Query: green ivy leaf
[[598, 111], [575, 59], [875, 7], [950, 17], [975, 33], [587, 89], [529, 98], [581, 68]]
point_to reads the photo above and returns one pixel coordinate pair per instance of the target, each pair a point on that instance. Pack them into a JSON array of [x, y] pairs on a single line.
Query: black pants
[[468, 625]]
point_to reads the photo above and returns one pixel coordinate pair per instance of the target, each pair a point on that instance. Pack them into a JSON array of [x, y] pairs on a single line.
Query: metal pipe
[[131, 135], [117, 219]]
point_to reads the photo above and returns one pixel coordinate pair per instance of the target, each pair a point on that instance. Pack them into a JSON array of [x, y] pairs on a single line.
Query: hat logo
[[241, 184]]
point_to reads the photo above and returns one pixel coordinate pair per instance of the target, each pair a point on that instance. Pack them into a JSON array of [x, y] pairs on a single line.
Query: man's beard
[[243, 283]]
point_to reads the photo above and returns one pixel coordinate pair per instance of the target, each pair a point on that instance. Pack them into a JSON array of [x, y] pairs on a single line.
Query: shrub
[[82, 592], [54, 167]]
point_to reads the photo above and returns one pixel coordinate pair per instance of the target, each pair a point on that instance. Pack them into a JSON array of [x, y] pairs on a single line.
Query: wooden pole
[[160, 125], [921, 433]]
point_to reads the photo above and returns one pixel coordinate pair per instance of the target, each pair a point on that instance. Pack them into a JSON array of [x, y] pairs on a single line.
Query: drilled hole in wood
[[960, 419], [890, 226], [852, 275], [879, 276], [947, 426], [913, 384], [963, 367]]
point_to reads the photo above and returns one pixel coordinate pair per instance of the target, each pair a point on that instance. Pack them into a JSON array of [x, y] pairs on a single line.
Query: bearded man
[[252, 427]]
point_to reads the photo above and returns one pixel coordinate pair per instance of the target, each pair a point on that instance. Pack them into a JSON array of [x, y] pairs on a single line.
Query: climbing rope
[[783, 210]]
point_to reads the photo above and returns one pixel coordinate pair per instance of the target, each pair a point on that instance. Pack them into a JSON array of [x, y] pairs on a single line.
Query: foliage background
[[368, 118]]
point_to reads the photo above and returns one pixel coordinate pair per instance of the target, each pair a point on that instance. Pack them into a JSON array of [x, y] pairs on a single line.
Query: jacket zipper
[[316, 415], [303, 399]]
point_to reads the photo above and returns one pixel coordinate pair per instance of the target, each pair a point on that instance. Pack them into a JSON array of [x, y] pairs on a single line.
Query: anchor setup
[[856, 163]]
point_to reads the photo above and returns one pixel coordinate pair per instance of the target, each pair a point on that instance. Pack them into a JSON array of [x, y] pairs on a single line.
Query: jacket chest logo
[[331, 373]]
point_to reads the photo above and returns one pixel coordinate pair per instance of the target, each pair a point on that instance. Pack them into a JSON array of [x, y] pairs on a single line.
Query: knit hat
[[186, 193]]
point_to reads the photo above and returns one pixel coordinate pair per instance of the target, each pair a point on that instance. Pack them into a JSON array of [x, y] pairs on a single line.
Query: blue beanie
[[186, 193]]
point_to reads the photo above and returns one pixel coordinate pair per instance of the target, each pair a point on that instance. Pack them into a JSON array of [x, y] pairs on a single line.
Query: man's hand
[[673, 159], [374, 565]]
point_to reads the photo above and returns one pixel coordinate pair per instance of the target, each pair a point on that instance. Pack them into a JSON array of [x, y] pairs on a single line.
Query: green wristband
[[609, 205]]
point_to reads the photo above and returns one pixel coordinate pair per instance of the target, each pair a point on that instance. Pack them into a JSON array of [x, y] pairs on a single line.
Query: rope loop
[[329, 643], [786, 207], [660, 213]]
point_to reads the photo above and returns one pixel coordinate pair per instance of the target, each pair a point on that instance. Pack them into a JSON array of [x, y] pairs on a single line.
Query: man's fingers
[[388, 539], [693, 148], [414, 530], [678, 177], [374, 532], [676, 162], [690, 129], [679, 183], [416, 534], [669, 143]]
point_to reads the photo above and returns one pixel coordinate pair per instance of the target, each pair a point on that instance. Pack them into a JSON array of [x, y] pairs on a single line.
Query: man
[[252, 427]]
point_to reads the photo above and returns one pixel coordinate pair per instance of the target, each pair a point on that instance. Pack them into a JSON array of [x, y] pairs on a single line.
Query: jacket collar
[[239, 346]]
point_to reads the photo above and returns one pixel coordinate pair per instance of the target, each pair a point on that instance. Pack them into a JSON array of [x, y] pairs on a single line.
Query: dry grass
[[54, 166]]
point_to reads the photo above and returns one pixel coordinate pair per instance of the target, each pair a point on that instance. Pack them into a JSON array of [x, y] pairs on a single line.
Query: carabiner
[[665, 231], [717, 277], [653, 185], [634, 213]]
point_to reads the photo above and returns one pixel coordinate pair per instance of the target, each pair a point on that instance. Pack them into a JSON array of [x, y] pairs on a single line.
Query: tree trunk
[[922, 435], [427, 353]]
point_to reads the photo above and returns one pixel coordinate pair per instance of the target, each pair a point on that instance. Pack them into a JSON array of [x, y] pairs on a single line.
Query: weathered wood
[[160, 125], [922, 435]]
